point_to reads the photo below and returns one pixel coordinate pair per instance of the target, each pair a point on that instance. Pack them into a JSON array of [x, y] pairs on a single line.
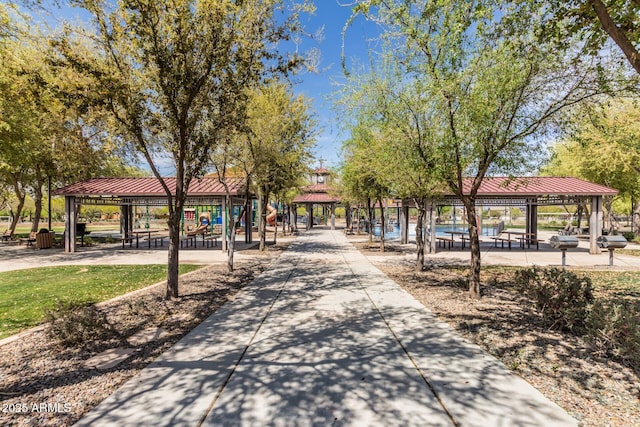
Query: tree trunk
[[370, 219], [636, 219], [232, 235], [174, 248], [607, 203], [420, 235], [474, 274], [347, 216], [37, 200], [285, 219], [20, 196], [247, 218], [580, 211]]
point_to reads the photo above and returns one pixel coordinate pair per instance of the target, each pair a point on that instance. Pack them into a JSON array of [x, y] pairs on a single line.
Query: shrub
[[613, 329], [73, 324], [560, 296], [629, 236]]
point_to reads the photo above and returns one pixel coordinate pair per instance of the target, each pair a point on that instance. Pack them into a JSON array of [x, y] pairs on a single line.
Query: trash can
[[44, 240]]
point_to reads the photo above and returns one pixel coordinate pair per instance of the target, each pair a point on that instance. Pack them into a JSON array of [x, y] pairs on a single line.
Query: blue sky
[[318, 86]]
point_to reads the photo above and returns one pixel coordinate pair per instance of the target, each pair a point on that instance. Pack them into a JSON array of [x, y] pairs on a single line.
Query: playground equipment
[[203, 225], [271, 215]]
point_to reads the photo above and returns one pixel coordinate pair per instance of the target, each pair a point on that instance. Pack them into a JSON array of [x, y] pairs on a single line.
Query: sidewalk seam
[[246, 348], [404, 349]]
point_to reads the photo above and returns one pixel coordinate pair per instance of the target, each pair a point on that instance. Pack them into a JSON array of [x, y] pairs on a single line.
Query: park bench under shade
[[30, 240]]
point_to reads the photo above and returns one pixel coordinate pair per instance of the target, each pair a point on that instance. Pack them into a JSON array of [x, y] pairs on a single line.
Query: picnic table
[[464, 236], [148, 232], [523, 238]]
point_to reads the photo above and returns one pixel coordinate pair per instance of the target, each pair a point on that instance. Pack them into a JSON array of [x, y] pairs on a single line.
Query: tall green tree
[[174, 76], [406, 159], [593, 22], [362, 177], [43, 137], [277, 144], [493, 95], [609, 131], [24, 156]]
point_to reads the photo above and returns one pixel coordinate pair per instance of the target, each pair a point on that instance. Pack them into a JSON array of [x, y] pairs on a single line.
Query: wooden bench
[[29, 240], [129, 240], [501, 239], [7, 235], [444, 240], [465, 239], [155, 240], [211, 240]]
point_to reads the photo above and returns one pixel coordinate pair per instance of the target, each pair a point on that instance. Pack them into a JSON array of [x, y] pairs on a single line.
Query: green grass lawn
[[25, 295]]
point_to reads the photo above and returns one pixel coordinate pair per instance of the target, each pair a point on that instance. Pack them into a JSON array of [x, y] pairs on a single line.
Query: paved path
[[324, 338]]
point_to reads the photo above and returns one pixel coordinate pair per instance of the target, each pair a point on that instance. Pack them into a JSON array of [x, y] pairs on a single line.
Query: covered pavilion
[[319, 192], [529, 192], [129, 193]]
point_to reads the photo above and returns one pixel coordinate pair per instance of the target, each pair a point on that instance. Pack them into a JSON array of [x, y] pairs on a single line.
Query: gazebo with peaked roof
[[530, 192], [319, 192], [147, 191]]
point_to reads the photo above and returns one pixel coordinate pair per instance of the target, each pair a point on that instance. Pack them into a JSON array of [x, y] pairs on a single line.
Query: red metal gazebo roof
[[538, 186], [316, 198], [147, 187]]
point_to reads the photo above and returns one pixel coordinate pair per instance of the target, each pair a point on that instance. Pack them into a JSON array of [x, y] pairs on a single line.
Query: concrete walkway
[[324, 338]]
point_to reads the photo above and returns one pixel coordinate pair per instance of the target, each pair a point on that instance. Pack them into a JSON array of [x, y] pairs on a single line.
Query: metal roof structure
[[542, 190], [317, 193], [147, 190], [539, 185]]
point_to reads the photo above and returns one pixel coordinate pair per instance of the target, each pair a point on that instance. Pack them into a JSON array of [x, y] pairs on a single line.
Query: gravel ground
[[596, 391], [45, 384]]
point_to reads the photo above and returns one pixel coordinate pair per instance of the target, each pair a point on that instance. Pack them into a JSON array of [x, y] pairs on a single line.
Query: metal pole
[[610, 257], [49, 203], [564, 257]]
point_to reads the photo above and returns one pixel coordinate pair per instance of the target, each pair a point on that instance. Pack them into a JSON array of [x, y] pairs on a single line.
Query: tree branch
[[616, 33]]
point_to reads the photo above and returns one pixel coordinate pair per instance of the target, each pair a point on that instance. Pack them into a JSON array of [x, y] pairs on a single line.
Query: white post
[[432, 227], [225, 225], [70, 224]]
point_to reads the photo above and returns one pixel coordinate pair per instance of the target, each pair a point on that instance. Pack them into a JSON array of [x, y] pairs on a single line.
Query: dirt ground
[[595, 390]]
